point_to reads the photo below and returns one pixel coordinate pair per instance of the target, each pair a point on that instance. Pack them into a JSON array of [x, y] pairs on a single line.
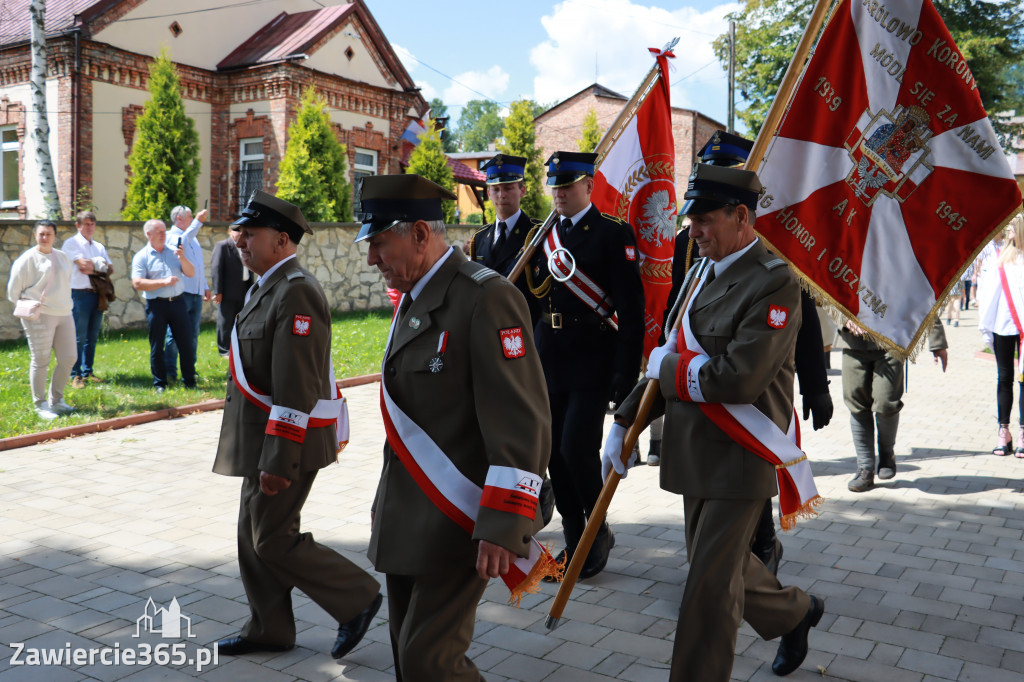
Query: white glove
[[659, 353], [611, 458]]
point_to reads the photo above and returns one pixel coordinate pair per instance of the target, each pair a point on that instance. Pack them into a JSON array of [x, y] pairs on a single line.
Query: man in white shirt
[[89, 256], [158, 272], [183, 231]]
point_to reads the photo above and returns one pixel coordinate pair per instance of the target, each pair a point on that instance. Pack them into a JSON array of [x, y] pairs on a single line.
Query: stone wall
[[330, 255]]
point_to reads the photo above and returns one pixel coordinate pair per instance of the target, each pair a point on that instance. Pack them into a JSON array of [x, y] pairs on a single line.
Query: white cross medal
[[436, 363]]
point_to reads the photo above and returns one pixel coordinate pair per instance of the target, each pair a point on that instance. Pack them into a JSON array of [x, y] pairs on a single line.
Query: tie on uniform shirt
[[502, 235], [566, 226]]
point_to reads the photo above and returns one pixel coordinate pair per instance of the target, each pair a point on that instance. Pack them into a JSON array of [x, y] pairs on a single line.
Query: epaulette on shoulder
[[477, 272], [614, 219], [298, 274], [772, 263]]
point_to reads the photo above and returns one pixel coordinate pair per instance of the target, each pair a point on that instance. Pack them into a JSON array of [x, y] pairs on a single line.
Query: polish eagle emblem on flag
[[889, 154], [512, 342]]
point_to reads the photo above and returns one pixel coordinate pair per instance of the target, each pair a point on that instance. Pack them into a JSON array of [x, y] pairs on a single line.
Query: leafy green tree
[[313, 171], [479, 125], [449, 138], [520, 139], [430, 161], [590, 134], [164, 161], [989, 34]]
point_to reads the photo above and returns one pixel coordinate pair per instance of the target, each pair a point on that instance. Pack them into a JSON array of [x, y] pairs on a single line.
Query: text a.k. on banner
[[886, 177], [636, 183]]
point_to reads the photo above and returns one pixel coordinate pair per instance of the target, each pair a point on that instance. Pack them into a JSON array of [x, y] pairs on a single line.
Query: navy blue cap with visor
[[504, 168], [565, 168], [723, 149]]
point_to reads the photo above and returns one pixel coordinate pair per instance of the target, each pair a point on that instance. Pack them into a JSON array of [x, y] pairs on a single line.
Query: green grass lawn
[[122, 360]]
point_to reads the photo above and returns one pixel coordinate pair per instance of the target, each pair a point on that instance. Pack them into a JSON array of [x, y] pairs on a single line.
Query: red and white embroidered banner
[[636, 183], [874, 178], [752, 429], [287, 422]]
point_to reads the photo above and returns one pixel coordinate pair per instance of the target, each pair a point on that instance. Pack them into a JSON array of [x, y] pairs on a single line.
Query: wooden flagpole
[[779, 104]]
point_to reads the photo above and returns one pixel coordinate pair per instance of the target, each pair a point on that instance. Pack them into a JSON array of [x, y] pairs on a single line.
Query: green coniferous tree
[[430, 161], [313, 171], [521, 140], [164, 161], [590, 134]]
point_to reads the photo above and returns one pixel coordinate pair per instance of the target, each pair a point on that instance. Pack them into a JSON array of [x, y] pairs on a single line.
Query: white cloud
[[406, 57], [470, 84], [611, 37]]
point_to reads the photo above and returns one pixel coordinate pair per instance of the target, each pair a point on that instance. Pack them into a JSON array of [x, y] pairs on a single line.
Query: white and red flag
[[886, 178], [635, 182]]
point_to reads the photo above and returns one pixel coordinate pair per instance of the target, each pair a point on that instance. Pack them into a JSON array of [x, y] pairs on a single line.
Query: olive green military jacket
[[751, 362], [485, 405], [284, 340]]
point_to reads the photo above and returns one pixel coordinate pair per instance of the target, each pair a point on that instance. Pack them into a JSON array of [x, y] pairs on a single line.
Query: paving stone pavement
[[923, 576]]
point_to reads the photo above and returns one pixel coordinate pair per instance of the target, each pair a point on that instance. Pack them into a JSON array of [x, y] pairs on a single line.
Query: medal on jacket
[[436, 363]]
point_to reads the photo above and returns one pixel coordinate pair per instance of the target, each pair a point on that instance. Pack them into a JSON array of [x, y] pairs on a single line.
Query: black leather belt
[[166, 298], [560, 321]]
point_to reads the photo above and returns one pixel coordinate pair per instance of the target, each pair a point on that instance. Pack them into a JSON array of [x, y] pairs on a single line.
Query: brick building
[[243, 67], [559, 128]]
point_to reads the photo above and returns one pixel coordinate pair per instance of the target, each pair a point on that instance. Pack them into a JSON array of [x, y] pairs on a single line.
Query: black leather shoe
[[597, 559], [350, 633], [239, 646], [793, 647]]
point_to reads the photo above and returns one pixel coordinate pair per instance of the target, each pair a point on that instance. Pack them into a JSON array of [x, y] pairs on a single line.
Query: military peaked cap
[[503, 168], [565, 168], [386, 200], [266, 210], [713, 187], [725, 149]]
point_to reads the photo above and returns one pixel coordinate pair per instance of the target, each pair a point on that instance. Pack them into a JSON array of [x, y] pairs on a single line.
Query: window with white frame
[[10, 184], [364, 164], [250, 168]]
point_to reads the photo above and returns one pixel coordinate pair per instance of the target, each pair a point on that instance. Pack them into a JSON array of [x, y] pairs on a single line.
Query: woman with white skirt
[[43, 273]]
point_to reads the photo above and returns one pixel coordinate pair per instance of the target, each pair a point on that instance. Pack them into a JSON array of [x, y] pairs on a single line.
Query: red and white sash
[[505, 489], [754, 431], [1013, 302], [289, 422], [579, 283]]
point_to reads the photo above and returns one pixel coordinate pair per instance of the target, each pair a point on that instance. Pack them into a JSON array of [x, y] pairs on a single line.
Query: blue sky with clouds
[[460, 50]]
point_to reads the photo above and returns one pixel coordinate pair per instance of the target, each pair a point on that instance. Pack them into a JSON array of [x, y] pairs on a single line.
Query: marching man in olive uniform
[[281, 419], [467, 433], [498, 244], [726, 390], [590, 338]]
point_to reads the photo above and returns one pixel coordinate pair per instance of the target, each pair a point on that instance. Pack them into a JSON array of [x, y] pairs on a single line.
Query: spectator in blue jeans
[[88, 256], [183, 231], [159, 272]]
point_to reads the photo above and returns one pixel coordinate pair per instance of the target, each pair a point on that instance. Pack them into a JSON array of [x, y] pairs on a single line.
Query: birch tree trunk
[[39, 124]]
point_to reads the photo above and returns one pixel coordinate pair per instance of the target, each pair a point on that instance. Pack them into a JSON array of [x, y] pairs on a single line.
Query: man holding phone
[[183, 232]]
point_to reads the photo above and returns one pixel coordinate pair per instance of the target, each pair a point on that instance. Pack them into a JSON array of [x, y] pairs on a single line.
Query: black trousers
[[1004, 348], [577, 427], [162, 313], [226, 312]]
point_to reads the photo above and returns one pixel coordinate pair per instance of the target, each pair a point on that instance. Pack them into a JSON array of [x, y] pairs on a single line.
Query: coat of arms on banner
[[889, 153]]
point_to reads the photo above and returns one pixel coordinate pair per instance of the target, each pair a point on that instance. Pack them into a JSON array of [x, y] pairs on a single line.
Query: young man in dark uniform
[[590, 338]]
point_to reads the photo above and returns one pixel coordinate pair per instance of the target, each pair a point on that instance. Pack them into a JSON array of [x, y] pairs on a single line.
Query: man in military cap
[[467, 432], [728, 150], [498, 244], [741, 315], [279, 429], [590, 338]]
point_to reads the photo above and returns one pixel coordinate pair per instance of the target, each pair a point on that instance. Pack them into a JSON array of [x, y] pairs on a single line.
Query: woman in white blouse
[[1001, 316], [43, 274]]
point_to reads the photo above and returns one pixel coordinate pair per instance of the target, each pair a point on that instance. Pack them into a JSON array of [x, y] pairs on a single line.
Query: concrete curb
[[142, 418]]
